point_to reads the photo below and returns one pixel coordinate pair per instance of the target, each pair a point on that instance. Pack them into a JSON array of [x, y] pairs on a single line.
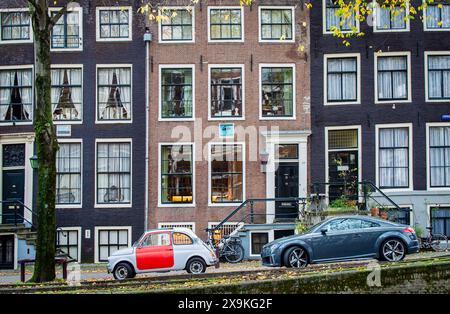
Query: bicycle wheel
[[439, 242], [233, 252]]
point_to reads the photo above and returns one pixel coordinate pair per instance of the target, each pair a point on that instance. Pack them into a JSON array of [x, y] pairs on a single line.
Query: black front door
[[343, 175], [13, 191], [286, 185], [6, 251]]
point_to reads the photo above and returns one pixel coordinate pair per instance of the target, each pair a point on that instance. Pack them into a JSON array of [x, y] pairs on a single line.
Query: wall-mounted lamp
[[34, 162], [264, 158]]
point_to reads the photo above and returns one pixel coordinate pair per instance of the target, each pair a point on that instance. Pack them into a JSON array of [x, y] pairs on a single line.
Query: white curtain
[[440, 156], [114, 167], [68, 168], [346, 80], [439, 76], [386, 20], [25, 81], [436, 20], [393, 157], [74, 78], [393, 83], [5, 93], [105, 78]]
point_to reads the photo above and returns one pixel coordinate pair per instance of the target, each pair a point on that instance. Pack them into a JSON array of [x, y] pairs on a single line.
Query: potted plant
[[300, 227]]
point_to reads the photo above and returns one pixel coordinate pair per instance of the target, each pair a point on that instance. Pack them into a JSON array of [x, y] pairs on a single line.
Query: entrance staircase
[[252, 217], [15, 222]]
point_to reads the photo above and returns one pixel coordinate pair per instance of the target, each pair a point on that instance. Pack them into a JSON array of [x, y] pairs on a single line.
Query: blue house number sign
[[226, 130]]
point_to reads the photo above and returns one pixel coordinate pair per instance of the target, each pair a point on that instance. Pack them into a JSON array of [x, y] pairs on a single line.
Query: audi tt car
[[162, 250], [342, 238]]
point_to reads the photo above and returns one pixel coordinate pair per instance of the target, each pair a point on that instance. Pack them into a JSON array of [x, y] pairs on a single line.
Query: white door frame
[[285, 137], [28, 140]]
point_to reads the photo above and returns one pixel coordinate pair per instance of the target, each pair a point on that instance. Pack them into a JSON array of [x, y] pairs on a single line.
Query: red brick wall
[[222, 53]]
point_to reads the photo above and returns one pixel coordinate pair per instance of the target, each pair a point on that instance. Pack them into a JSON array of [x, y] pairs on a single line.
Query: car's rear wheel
[[196, 265], [296, 257], [123, 271], [393, 250]]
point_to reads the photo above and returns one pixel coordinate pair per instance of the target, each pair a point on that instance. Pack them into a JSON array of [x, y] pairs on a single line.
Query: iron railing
[[250, 215], [13, 213]]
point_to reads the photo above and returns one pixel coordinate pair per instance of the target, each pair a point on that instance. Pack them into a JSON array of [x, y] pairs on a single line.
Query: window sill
[[174, 205], [113, 205]]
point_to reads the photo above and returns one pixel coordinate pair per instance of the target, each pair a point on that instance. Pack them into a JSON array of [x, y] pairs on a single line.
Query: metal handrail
[[252, 201], [18, 215], [364, 184]]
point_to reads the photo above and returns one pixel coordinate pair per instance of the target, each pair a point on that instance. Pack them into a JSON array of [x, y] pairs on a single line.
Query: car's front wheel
[[196, 265], [296, 257], [123, 271], [393, 250]]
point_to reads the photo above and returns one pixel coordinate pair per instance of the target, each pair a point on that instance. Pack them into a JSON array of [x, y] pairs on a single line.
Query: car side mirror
[[324, 231]]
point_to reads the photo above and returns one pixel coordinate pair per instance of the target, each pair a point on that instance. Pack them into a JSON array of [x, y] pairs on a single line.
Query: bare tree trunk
[[47, 146]]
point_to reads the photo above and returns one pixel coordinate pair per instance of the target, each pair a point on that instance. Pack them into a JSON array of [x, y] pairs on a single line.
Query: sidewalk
[[90, 272]]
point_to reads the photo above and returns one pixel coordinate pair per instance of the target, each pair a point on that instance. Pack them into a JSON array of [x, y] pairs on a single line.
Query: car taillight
[[409, 230]]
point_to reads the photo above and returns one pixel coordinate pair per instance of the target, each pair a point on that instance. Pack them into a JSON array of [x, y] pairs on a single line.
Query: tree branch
[[53, 20]]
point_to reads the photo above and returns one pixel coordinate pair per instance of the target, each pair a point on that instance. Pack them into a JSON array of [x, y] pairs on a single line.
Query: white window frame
[[74, 141], [175, 66], [294, 91], [410, 155], [106, 228], [242, 39], [20, 41], [111, 141], [428, 157], [177, 41], [161, 225], [426, 55], [358, 78], [102, 66], [327, 150], [33, 74], [63, 229], [232, 204], [406, 54], [80, 23], [238, 225], [224, 66], [424, 21], [72, 66], [277, 41], [130, 23], [270, 238], [429, 206], [411, 216], [324, 21], [176, 205], [375, 14]]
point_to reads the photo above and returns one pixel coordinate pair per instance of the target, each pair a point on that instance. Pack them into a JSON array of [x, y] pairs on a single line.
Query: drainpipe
[[147, 40]]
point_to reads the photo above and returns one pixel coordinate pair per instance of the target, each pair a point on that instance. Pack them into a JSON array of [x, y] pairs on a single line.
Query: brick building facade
[[227, 49]]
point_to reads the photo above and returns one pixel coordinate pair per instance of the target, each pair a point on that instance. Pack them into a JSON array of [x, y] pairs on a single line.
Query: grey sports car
[[342, 238]]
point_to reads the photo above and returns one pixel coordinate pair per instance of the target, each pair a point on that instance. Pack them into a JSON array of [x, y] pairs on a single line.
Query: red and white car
[[162, 250]]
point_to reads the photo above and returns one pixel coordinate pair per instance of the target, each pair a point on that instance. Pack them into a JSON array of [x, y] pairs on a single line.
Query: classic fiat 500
[[162, 250]]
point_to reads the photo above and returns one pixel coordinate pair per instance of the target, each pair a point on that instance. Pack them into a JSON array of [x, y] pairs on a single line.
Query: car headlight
[[274, 247]]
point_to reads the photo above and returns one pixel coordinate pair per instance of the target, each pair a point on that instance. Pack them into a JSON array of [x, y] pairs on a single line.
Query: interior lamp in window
[[16, 110], [66, 108], [114, 107]]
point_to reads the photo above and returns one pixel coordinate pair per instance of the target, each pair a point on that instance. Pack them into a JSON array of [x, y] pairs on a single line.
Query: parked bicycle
[[434, 241], [229, 249]]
